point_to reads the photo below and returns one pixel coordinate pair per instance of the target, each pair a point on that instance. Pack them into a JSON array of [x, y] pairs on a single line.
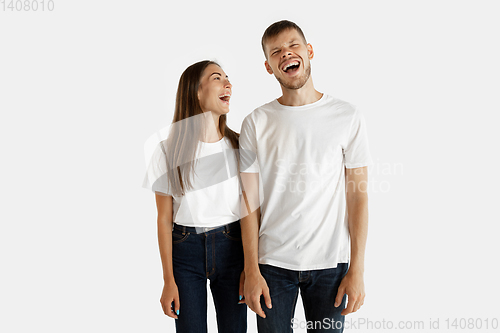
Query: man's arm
[[357, 210], [255, 285]]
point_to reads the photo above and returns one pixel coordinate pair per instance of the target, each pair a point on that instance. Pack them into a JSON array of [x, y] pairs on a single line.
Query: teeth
[[225, 95], [290, 64]]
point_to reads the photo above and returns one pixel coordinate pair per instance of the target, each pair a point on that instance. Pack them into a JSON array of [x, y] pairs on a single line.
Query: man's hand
[[255, 286], [352, 284]]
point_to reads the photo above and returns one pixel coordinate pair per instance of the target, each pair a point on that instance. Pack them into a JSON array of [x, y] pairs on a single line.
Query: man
[[310, 220]]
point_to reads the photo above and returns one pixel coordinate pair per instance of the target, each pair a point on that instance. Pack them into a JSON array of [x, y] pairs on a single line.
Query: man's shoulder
[[267, 107], [339, 105], [259, 111]]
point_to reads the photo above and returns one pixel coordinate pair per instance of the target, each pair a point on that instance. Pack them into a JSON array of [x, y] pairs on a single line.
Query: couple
[[282, 207]]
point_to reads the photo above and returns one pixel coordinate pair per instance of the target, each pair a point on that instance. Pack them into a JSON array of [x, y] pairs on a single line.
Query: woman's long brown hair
[[183, 140]]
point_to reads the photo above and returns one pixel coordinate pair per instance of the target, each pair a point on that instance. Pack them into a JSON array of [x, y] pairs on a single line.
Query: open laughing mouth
[[225, 98], [291, 67]]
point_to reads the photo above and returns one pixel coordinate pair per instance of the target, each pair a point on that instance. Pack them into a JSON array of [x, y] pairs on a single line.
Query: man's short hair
[[278, 27]]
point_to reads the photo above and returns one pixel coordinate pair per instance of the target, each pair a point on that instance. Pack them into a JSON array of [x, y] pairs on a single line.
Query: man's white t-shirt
[[214, 199], [300, 153]]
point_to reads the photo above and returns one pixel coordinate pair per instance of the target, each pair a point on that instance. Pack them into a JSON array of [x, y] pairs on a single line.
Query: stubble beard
[[297, 83]]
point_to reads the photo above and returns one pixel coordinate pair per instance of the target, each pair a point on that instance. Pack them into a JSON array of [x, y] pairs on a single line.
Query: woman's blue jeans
[[216, 255]]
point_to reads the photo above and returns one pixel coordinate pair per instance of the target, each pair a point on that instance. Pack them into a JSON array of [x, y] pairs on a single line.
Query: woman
[[195, 177]]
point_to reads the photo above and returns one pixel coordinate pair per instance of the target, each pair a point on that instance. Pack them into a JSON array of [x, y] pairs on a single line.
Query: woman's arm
[[165, 220]]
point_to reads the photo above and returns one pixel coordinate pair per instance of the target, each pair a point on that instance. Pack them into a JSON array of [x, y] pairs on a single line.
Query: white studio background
[[83, 86]]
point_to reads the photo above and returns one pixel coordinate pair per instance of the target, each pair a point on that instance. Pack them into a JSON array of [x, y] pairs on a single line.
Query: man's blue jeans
[[318, 289], [216, 255]]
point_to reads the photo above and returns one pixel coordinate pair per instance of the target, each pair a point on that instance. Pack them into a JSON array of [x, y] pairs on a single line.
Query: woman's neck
[[212, 130]]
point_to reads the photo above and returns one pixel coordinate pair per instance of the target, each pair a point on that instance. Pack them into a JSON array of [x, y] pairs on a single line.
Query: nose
[[286, 54], [228, 84]]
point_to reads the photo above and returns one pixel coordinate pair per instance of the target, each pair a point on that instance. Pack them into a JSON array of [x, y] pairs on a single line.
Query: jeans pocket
[[179, 236], [234, 233]]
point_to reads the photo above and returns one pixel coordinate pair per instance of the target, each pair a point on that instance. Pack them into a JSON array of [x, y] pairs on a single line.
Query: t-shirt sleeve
[[248, 147], [357, 152], [155, 178]]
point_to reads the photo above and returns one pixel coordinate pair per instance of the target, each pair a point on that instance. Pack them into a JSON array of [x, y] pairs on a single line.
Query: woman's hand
[[242, 284], [170, 295], [255, 287]]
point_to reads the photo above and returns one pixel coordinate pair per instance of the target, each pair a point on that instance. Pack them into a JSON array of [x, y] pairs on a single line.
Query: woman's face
[[215, 90]]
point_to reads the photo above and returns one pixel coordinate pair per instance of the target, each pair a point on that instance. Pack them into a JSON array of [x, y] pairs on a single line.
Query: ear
[[310, 51], [268, 68]]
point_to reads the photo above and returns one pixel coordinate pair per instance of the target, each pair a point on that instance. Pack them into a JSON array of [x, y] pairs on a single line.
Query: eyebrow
[[217, 73], [277, 48]]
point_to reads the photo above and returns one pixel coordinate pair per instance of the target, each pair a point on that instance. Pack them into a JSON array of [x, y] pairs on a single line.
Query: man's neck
[[298, 97]]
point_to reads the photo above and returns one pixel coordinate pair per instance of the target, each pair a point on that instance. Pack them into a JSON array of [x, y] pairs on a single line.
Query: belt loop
[[184, 229], [227, 227]]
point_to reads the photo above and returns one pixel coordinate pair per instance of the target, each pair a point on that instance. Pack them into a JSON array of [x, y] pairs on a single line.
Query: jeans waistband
[[201, 230]]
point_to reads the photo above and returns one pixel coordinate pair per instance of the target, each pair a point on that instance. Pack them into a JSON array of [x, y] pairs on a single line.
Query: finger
[[350, 307], [361, 302], [251, 305], [169, 310], [163, 307], [267, 297], [254, 305], [340, 295], [177, 306], [241, 291], [355, 307], [259, 307]]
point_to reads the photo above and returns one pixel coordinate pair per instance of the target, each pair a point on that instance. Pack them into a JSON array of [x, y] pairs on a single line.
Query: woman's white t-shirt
[[214, 199]]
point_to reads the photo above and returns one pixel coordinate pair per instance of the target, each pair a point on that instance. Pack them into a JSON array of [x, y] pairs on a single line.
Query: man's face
[[288, 58]]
